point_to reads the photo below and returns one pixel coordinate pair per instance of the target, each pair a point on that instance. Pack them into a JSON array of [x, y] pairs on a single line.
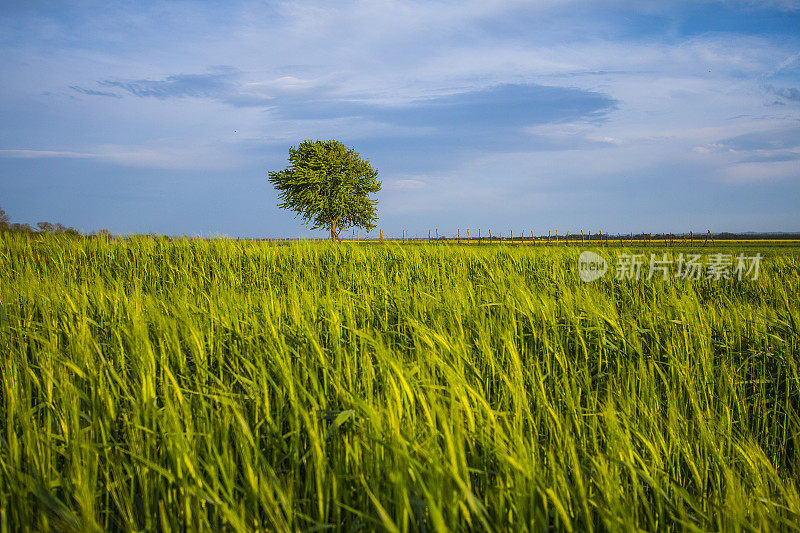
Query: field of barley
[[155, 384]]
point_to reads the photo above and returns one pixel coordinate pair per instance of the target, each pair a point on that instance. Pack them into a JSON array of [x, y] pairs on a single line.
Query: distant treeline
[[41, 227], [754, 236]]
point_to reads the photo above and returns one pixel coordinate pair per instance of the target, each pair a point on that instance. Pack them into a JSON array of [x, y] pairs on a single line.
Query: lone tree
[[328, 184]]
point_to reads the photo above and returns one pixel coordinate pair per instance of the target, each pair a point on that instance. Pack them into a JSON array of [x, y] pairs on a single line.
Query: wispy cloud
[[172, 156], [788, 93], [43, 154], [505, 105], [758, 156], [758, 172], [770, 139], [404, 184], [93, 92], [217, 85]]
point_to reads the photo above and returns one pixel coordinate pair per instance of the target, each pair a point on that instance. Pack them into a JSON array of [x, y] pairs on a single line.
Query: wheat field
[[215, 385]]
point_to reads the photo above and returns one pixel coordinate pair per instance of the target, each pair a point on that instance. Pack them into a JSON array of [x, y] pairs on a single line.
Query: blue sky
[[553, 115]]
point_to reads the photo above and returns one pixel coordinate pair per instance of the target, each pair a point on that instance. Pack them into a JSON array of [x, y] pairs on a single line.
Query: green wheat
[[156, 384]]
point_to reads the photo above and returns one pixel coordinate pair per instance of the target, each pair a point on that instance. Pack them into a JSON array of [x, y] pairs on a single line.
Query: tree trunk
[[332, 233]]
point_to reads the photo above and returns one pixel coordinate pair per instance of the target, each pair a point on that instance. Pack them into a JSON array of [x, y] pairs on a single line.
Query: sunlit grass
[[211, 385]]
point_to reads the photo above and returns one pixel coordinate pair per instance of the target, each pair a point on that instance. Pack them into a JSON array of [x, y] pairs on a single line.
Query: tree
[[328, 185], [4, 220], [46, 227]]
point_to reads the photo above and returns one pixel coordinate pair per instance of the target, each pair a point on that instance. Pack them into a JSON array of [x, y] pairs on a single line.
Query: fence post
[[429, 236], [479, 235], [458, 238]]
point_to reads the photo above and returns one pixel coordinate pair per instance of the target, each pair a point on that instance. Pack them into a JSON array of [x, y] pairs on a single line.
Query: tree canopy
[[328, 185]]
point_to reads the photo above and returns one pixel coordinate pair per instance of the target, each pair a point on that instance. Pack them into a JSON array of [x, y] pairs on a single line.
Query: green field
[[152, 384]]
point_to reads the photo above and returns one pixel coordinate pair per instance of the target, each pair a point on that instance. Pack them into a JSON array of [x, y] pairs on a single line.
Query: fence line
[[552, 238]]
